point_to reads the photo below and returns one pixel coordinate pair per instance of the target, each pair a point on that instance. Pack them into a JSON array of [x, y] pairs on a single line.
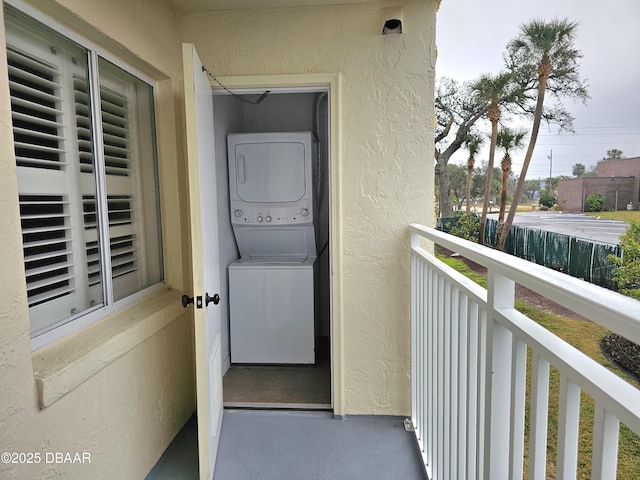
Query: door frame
[[330, 82]]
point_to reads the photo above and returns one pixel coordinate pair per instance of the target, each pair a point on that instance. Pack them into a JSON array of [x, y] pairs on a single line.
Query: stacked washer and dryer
[[274, 219]]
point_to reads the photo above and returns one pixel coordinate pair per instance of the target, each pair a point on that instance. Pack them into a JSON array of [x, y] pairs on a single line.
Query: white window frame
[[89, 316]]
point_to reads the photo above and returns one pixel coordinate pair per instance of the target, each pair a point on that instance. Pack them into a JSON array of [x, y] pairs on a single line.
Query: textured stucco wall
[[127, 413], [386, 171]]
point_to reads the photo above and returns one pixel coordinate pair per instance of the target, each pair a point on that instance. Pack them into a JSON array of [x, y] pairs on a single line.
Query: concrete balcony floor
[[282, 445]]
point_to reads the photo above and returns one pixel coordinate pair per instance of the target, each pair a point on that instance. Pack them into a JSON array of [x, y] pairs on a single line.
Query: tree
[[457, 183], [472, 144], [479, 181], [543, 59], [457, 111], [509, 140], [578, 170], [591, 172], [494, 90], [531, 187], [613, 154]]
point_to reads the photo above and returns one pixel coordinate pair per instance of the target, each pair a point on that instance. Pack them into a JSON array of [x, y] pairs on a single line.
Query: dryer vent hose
[[320, 136]]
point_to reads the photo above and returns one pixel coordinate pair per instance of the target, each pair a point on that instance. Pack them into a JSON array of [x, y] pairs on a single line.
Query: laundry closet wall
[[384, 165]]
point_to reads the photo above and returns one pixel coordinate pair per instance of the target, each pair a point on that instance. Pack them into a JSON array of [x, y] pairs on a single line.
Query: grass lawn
[[585, 336], [622, 215]]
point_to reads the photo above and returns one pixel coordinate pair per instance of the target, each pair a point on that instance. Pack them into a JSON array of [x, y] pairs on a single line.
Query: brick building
[[617, 180]]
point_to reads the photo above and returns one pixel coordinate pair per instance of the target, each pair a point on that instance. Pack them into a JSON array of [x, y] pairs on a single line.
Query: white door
[[205, 258]]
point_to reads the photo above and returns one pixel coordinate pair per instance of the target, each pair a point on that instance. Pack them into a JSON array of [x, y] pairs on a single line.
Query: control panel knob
[[260, 219], [237, 213], [304, 212], [267, 218]]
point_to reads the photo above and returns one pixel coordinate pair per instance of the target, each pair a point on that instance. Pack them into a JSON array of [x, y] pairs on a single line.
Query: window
[[87, 175]]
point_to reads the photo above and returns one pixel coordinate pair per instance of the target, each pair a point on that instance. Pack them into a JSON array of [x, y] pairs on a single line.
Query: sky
[[472, 36]]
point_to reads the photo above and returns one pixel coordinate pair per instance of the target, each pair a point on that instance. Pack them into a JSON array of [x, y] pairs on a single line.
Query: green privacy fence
[[575, 256]]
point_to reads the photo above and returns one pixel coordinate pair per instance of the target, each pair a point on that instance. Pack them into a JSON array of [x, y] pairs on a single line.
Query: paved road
[[574, 224]]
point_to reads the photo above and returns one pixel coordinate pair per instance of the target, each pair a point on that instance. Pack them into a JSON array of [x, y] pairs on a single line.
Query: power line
[[586, 143], [574, 135]]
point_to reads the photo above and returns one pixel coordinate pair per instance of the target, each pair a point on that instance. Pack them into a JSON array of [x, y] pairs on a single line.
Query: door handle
[[241, 174], [215, 299], [186, 300]]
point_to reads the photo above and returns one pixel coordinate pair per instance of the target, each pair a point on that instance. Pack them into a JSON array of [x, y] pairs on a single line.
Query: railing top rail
[[612, 310]]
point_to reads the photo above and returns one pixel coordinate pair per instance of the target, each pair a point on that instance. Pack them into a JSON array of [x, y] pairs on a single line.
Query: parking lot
[[574, 224]]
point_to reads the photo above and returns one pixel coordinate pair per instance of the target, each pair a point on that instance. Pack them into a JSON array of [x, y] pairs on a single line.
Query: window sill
[[63, 365]]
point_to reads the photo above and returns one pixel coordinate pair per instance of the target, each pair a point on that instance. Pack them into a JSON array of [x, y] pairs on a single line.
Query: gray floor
[[270, 385], [265, 445], [277, 385], [180, 459]]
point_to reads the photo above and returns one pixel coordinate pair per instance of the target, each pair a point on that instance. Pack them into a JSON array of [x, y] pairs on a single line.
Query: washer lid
[[273, 261]]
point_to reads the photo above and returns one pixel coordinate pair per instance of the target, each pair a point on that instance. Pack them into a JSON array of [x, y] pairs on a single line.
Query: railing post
[[539, 417], [605, 444], [568, 428], [415, 240], [500, 295]]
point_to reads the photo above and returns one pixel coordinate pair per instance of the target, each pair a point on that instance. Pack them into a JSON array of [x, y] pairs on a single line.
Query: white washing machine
[[271, 287], [272, 310]]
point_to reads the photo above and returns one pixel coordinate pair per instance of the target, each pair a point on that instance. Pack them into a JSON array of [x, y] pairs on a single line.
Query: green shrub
[[627, 271], [547, 200], [594, 202], [467, 227]]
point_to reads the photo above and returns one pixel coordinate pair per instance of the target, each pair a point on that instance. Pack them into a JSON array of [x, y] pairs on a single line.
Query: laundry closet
[[272, 167]]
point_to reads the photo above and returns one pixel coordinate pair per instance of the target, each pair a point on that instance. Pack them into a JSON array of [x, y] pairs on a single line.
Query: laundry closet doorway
[[299, 103]]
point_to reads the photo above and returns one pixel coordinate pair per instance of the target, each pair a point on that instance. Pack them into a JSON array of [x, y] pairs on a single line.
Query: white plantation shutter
[[44, 217], [122, 189], [48, 190], [114, 109], [61, 213], [47, 243]]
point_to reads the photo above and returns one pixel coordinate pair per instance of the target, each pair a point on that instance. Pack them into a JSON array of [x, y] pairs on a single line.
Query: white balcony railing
[[469, 368]]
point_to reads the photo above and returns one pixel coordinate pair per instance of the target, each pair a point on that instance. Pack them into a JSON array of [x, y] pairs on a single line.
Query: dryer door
[[270, 172]]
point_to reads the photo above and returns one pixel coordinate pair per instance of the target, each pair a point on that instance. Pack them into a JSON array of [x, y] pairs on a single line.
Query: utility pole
[[550, 157]]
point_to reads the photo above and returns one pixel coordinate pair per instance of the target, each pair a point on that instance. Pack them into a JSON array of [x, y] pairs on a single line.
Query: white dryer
[[271, 287]]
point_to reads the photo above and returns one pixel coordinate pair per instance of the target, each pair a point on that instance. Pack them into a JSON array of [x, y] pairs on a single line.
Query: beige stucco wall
[[124, 415], [385, 165]]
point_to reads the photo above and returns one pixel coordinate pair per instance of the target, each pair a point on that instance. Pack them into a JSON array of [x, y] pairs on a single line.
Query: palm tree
[[495, 90], [472, 144], [543, 58], [509, 140]]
